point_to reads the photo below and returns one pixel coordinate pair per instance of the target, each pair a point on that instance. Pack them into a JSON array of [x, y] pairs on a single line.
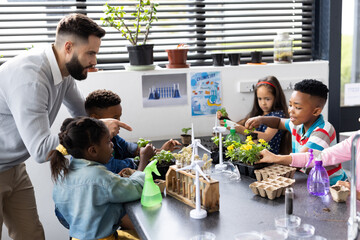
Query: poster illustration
[[164, 90], [205, 93]]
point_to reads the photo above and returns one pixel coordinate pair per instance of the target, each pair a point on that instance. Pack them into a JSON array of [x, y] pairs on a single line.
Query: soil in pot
[[140, 55], [177, 58], [248, 170], [185, 139]]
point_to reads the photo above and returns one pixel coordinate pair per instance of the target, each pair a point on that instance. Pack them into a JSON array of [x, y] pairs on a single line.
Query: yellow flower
[[249, 138], [248, 147], [251, 143], [231, 147], [262, 141]]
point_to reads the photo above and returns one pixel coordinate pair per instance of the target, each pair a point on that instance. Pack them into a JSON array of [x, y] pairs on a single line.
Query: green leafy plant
[[142, 142], [163, 155], [216, 140], [247, 152], [185, 130], [144, 13], [223, 112]]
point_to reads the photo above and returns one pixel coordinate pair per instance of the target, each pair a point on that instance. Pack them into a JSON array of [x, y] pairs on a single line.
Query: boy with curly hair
[[107, 104], [306, 123]]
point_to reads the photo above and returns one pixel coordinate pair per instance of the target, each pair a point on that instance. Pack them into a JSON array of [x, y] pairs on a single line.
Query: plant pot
[[256, 57], [185, 139], [162, 168], [177, 58], [248, 170], [234, 59], [215, 157], [223, 117], [218, 59], [140, 55]]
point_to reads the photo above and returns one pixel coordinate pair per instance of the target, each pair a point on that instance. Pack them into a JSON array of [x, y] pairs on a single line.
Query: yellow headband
[[62, 149]]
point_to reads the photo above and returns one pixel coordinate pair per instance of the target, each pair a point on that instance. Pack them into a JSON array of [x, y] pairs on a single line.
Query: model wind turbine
[[195, 143], [198, 212], [219, 129]]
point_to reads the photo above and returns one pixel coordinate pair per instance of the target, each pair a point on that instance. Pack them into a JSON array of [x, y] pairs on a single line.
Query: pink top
[[336, 154]]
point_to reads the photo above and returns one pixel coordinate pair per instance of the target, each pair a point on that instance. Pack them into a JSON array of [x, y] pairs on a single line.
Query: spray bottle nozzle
[[229, 123], [151, 167]]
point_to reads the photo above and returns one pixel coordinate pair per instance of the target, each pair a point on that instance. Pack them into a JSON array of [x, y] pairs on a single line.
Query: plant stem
[[138, 20], [128, 30], [148, 25]]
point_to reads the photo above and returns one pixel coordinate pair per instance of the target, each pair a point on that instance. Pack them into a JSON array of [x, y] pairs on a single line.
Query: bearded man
[[33, 86]]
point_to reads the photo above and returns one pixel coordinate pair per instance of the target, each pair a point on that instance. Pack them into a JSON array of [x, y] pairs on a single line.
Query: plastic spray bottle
[[151, 194], [318, 179], [233, 136]]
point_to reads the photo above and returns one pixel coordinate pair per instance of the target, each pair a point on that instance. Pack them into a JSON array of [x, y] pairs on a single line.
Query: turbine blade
[[198, 168], [199, 145], [185, 168]]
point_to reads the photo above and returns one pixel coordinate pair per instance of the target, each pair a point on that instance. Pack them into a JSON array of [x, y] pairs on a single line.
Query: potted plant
[[185, 138], [215, 149], [142, 142], [244, 155], [224, 114], [177, 57], [141, 19], [165, 160]]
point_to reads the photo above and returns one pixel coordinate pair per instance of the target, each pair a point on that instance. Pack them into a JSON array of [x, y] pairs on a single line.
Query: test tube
[[289, 197]]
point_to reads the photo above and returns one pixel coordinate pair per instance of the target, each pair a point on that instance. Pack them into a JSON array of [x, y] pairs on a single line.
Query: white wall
[[164, 122]]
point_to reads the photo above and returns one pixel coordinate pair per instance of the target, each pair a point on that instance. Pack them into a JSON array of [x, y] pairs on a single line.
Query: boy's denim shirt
[[91, 198], [122, 156]]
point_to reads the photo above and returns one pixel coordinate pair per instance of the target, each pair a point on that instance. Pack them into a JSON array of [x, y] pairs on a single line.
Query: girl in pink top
[[336, 154]]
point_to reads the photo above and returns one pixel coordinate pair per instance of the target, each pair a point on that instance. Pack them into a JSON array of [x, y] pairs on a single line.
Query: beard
[[75, 69]]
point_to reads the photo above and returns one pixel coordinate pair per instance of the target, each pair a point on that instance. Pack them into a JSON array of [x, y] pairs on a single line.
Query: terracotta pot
[[186, 139], [177, 58]]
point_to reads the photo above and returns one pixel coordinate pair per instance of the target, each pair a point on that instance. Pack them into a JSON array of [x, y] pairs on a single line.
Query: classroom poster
[[164, 90], [205, 93]]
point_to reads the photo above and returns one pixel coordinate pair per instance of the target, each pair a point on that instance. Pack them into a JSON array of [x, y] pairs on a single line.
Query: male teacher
[[32, 88]]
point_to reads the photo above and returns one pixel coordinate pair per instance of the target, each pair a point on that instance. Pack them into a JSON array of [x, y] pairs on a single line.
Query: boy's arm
[[272, 122]]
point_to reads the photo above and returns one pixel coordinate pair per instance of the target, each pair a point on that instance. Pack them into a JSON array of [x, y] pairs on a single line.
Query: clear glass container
[[303, 231], [278, 234], [283, 52], [248, 236], [287, 222]]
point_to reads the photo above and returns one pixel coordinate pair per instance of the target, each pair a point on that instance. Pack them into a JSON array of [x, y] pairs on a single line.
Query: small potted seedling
[[185, 137], [224, 114], [142, 142], [165, 160]]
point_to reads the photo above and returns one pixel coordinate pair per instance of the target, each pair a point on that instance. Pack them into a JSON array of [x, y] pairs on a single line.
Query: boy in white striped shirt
[[306, 123]]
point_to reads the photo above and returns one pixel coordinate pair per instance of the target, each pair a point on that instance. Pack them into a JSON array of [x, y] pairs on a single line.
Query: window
[[205, 25]]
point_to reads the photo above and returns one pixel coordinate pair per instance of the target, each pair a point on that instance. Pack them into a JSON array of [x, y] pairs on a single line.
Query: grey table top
[[240, 211]]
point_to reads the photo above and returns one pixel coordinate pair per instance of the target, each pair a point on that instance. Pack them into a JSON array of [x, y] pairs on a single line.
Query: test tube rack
[[180, 185]]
